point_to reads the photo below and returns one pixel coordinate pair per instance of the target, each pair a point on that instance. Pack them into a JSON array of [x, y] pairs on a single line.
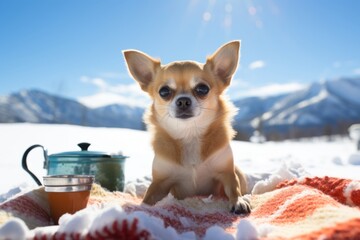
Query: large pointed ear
[[224, 61], [142, 67]]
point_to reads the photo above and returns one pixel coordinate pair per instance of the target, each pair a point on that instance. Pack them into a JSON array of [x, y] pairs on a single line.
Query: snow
[[349, 189], [13, 229], [285, 172], [92, 220], [321, 96], [337, 99], [216, 232], [265, 163], [257, 137], [347, 89], [318, 157], [354, 131], [246, 230], [354, 159], [16, 138], [3, 100], [291, 115]]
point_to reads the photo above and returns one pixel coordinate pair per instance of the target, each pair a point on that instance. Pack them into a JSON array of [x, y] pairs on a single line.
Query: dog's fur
[[191, 125]]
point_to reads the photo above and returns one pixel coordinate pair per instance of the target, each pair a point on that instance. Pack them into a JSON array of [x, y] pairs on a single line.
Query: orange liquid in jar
[[66, 202]]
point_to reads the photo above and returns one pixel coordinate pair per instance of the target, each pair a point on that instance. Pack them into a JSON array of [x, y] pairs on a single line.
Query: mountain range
[[39, 107], [323, 108]]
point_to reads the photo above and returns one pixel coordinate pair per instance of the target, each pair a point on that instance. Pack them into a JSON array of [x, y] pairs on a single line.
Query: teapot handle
[[24, 163]]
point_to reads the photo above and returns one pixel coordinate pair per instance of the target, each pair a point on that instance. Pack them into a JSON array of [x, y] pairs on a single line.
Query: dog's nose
[[183, 103]]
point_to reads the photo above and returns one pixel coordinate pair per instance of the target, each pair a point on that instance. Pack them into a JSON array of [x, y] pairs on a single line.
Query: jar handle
[[24, 161]]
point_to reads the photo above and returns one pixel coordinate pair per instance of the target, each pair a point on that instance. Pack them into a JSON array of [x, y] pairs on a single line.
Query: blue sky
[[73, 48]]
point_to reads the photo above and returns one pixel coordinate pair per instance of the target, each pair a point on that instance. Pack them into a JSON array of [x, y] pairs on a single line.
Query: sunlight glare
[[252, 11], [259, 23], [228, 8], [207, 16], [227, 21]]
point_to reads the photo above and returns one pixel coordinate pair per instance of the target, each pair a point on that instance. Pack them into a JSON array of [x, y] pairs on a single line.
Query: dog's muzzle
[[184, 108]]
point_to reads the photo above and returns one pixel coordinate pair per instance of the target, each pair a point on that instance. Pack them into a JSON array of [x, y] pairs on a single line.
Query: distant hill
[[35, 106], [323, 108]]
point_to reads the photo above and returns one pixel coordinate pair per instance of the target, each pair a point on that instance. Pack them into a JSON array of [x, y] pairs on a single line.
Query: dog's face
[[187, 90], [182, 91]]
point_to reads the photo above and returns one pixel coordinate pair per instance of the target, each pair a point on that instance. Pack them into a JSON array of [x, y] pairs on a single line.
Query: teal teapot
[[108, 169]]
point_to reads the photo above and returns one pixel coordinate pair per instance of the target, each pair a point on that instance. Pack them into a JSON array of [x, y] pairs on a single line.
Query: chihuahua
[[190, 121]]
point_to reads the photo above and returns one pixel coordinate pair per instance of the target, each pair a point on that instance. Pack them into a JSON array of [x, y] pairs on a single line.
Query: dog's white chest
[[191, 153], [195, 176]]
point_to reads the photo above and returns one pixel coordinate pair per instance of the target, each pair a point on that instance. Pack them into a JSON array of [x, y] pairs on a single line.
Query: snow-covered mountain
[[35, 106], [323, 108]]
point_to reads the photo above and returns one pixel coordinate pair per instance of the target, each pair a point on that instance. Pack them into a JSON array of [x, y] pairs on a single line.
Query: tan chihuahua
[[191, 125]]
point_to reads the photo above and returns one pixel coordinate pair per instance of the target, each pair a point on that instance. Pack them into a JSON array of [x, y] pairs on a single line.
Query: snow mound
[[246, 230], [13, 229], [257, 183], [94, 220], [287, 171], [216, 232], [337, 161], [13, 192], [354, 159], [138, 187], [354, 131]]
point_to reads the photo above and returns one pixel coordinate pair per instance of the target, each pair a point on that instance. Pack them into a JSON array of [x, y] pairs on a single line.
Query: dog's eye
[[165, 92], [202, 90]]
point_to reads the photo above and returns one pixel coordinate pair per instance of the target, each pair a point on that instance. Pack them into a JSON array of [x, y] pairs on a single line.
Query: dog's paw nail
[[242, 206]]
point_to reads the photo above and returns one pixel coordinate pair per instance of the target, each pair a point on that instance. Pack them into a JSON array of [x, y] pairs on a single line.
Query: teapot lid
[[85, 153]]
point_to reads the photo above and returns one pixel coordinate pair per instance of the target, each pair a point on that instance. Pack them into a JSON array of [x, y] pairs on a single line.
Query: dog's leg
[[243, 204], [242, 180], [234, 183], [157, 190]]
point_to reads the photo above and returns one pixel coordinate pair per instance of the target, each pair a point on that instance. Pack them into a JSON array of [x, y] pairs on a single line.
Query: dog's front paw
[[242, 206]]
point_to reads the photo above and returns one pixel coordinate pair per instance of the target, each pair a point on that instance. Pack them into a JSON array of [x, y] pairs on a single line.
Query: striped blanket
[[305, 208]]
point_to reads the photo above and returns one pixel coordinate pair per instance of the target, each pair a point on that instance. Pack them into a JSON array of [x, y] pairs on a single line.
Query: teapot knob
[[84, 146]]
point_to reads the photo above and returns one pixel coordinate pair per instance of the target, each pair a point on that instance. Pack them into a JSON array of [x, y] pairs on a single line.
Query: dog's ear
[[142, 67], [224, 61]]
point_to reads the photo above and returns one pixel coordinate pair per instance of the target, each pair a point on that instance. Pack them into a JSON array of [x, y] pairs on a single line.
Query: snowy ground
[[318, 157]]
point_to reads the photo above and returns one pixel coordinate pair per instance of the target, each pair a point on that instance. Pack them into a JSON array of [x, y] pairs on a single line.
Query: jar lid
[[85, 153], [68, 180], [65, 189], [68, 183]]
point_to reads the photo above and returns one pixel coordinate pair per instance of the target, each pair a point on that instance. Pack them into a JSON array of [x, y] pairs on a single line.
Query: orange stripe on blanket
[[303, 207], [292, 204], [345, 230], [299, 199], [272, 204], [345, 191]]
